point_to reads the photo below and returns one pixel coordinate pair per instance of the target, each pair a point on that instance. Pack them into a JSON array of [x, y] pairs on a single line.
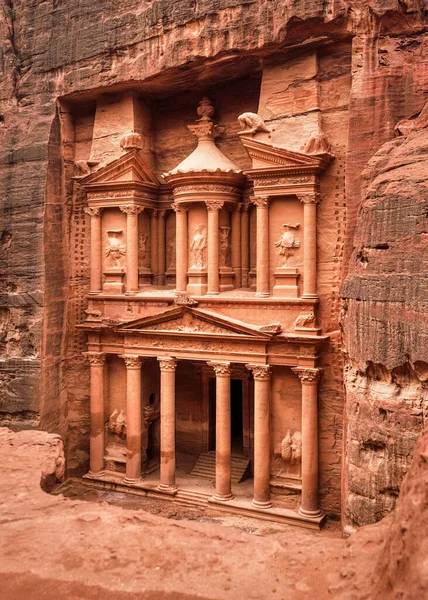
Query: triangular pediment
[[128, 168], [187, 320], [267, 155]]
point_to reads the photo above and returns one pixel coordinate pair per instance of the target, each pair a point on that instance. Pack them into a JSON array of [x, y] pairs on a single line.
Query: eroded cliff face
[[385, 326]]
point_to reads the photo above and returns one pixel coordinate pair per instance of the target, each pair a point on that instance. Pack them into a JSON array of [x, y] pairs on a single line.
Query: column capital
[[155, 213], [307, 375], [245, 206], [309, 197], [162, 212], [222, 369], [260, 372], [132, 362], [236, 208], [167, 363], [179, 208], [95, 358], [214, 205], [260, 201], [93, 211], [131, 209]]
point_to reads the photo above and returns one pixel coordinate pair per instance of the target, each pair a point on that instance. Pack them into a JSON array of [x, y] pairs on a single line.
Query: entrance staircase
[[205, 467]]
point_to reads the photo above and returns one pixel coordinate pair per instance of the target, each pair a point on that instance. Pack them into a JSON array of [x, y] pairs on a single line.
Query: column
[[154, 245], [96, 446], [167, 424], [236, 244], [261, 374], [262, 251], [131, 212], [133, 418], [161, 246], [245, 245], [310, 201], [96, 268], [223, 451], [213, 284], [181, 246], [309, 380]]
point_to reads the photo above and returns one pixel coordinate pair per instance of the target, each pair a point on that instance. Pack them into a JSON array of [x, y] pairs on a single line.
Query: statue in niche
[[197, 247], [142, 246], [224, 245], [115, 250], [170, 256], [291, 448], [117, 423], [251, 123], [287, 243]]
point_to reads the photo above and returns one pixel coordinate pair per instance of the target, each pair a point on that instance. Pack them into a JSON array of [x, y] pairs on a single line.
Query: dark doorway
[[236, 417], [212, 412]]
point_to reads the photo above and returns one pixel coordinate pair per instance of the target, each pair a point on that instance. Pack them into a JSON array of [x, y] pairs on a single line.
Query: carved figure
[[197, 247], [305, 320], [287, 243], [171, 256], [224, 245], [84, 167], [117, 422], [183, 299], [251, 123], [114, 249], [142, 245], [318, 143], [291, 448]]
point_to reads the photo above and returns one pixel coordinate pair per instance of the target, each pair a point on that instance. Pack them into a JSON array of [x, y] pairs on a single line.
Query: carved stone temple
[[203, 333]]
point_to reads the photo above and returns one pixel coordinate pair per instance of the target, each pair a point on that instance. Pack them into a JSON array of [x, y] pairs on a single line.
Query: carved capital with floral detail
[[132, 362], [260, 372], [167, 363], [93, 211], [214, 205], [308, 376], [131, 209], [309, 197], [260, 201], [221, 369], [179, 207], [96, 359]]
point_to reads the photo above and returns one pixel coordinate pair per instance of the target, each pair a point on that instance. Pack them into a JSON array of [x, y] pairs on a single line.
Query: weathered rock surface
[[385, 327]]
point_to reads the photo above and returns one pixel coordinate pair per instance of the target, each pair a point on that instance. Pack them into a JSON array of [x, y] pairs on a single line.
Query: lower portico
[[186, 335]]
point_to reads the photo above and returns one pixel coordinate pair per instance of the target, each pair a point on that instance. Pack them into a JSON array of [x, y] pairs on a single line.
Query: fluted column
[[310, 501], [236, 244], [181, 245], [96, 447], [132, 212], [262, 250], [213, 284], [162, 249], [245, 245], [167, 423], [310, 201], [223, 451], [154, 245], [96, 262], [261, 374], [133, 417]]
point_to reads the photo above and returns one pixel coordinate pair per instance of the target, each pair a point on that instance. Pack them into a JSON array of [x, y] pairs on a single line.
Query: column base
[[131, 292], [223, 497], [309, 513], [168, 488], [212, 293], [95, 293], [262, 294], [258, 504], [96, 473], [313, 296], [131, 480]]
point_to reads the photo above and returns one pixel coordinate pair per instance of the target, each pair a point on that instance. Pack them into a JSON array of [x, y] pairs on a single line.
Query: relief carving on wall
[[115, 250], [188, 324], [251, 123], [142, 246], [224, 246], [305, 320], [197, 248], [117, 423], [291, 448], [287, 243]]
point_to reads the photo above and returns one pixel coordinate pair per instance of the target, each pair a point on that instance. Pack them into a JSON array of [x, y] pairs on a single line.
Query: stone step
[[205, 467], [189, 498]]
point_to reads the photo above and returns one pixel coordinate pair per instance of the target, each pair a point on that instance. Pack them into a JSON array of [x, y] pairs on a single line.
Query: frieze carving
[[221, 369], [260, 372], [132, 362], [224, 246], [282, 180], [214, 205], [309, 198], [183, 299], [308, 376], [251, 123], [93, 211], [126, 193], [96, 359], [188, 324], [305, 320], [131, 209], [287, 242], [115, 250], [291, 448], [197, 247], [167, 363], [229, 189]]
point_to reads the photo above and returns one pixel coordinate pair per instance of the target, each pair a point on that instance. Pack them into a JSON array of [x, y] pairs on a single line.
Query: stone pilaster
[[96, 448], [132, 211], [310, 201], [181, 244], [213, 284], [96, 242], [167, 366], [133, 417], [262, 250]]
